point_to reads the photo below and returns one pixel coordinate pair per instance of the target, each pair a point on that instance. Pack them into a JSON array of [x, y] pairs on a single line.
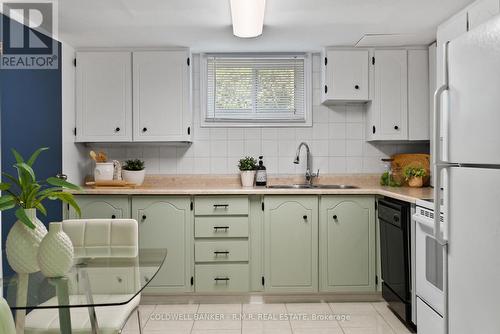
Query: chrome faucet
[[309, 175]]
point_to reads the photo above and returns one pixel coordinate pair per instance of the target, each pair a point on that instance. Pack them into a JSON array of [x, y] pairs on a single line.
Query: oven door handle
[[428, 223]]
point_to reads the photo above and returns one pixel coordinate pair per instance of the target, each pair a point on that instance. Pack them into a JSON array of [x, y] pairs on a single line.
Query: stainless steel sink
[[334, 186], [290, 186], [314, 186]]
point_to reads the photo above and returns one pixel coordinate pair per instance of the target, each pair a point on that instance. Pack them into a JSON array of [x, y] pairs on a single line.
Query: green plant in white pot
[[247, 167], [134, 171], [26, 195]]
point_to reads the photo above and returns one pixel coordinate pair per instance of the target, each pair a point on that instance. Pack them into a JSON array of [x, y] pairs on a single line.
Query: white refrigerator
[[467, 168]]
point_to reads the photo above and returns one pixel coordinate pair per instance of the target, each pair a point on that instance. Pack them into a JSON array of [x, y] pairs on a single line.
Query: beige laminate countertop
[[230, 185]]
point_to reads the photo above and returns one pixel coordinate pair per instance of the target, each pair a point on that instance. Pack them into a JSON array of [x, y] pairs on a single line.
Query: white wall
[[337, 141], [73, 164]]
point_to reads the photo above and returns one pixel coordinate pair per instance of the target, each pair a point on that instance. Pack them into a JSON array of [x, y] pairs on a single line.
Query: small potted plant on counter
[[415, 176], [247, 167], [134, 171]]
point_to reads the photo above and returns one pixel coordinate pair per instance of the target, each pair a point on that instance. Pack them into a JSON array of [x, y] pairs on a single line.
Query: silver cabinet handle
[[221, 206]]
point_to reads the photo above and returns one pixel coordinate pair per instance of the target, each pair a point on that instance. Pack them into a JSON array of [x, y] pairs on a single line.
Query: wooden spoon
[[102, 157]]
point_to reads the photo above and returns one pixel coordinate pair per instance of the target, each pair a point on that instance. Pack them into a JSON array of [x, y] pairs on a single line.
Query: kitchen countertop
[[230, 185]]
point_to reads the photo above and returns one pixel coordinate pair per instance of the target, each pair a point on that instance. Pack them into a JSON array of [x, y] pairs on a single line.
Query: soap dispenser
[[261, 177]]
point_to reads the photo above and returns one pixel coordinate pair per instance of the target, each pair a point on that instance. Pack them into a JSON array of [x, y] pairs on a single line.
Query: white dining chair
[[97, 238], [6, 321]]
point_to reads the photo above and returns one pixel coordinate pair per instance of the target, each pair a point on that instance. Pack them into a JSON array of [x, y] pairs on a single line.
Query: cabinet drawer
[[221, 205], [146, 275], [221, 251], [221, 227], [221, 278]]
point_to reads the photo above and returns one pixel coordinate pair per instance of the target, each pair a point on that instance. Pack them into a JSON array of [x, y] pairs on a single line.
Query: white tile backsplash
[[336, 140]]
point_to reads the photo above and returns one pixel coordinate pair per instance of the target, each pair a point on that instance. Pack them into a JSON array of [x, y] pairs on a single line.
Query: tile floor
[[296, 318]]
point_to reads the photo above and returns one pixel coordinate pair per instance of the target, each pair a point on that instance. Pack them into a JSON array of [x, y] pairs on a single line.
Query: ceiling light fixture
[[248, 17]]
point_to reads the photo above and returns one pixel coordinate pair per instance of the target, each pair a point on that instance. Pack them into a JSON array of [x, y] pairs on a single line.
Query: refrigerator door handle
[[438, 163]]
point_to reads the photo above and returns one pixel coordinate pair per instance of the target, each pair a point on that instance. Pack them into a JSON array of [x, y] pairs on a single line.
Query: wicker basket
[[401, 161]]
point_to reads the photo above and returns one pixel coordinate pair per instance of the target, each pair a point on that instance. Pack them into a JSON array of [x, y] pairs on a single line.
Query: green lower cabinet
[[347, 244], [100, 207], [291, 243], [166, 222]]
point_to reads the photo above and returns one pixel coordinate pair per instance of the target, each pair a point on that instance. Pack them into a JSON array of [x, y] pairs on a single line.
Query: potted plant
[[134, 171], [26, 195], [415, 176], [247, 167]]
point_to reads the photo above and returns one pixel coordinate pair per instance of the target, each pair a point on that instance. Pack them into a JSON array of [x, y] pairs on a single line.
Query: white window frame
[[308, 89]]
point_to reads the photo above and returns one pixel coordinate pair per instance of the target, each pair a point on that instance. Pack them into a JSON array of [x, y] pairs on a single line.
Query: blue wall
[[31, 116]]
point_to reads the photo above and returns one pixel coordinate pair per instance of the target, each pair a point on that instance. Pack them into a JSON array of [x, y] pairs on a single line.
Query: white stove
[[430, 261]]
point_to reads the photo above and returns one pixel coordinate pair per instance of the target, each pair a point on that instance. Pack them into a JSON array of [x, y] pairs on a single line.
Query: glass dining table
[[119, 279]]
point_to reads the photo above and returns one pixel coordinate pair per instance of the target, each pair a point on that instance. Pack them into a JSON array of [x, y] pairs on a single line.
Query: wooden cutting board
[[401, 161], [110, 184]]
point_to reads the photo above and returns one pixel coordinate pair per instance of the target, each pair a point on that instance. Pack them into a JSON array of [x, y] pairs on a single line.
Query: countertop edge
[[261, 191]]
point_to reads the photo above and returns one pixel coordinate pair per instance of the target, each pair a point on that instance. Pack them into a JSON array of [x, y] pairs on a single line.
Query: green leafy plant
[[410, 172], [387, 180], [25, 192], [247, 163], [384, 179], [134, 165]]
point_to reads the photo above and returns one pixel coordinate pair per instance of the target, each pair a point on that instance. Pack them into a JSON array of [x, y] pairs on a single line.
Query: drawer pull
[[221, 253], [217, 279], [216, 228], [221, 206]]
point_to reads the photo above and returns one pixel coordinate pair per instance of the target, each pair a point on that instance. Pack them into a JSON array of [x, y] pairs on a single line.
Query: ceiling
[[289, 25]]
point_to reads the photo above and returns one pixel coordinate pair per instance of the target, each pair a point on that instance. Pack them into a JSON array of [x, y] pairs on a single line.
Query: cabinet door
[[291, 243], [103, 97], [166, 222], [347, 244], [418, 95], [101, 207], [162, 101], [389, 108], [481, 11], [346, 76]]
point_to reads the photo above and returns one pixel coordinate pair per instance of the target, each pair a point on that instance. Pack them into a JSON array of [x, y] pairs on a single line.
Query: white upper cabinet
[[104, 97], [162, 110], [481, 11], [387, 117], [344, 76], [418, 95], [134, 96]]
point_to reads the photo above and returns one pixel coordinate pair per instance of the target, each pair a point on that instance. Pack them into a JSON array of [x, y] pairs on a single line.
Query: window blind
[[255, 88]]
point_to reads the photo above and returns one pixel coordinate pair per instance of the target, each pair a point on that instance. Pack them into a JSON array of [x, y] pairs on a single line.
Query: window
[[255, 90]]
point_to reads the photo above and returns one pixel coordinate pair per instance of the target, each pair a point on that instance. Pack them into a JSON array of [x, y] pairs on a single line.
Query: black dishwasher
[[395, 236]]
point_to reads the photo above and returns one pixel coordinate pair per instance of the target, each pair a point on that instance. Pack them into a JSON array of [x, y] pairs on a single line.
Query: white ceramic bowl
[[134, 176]]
